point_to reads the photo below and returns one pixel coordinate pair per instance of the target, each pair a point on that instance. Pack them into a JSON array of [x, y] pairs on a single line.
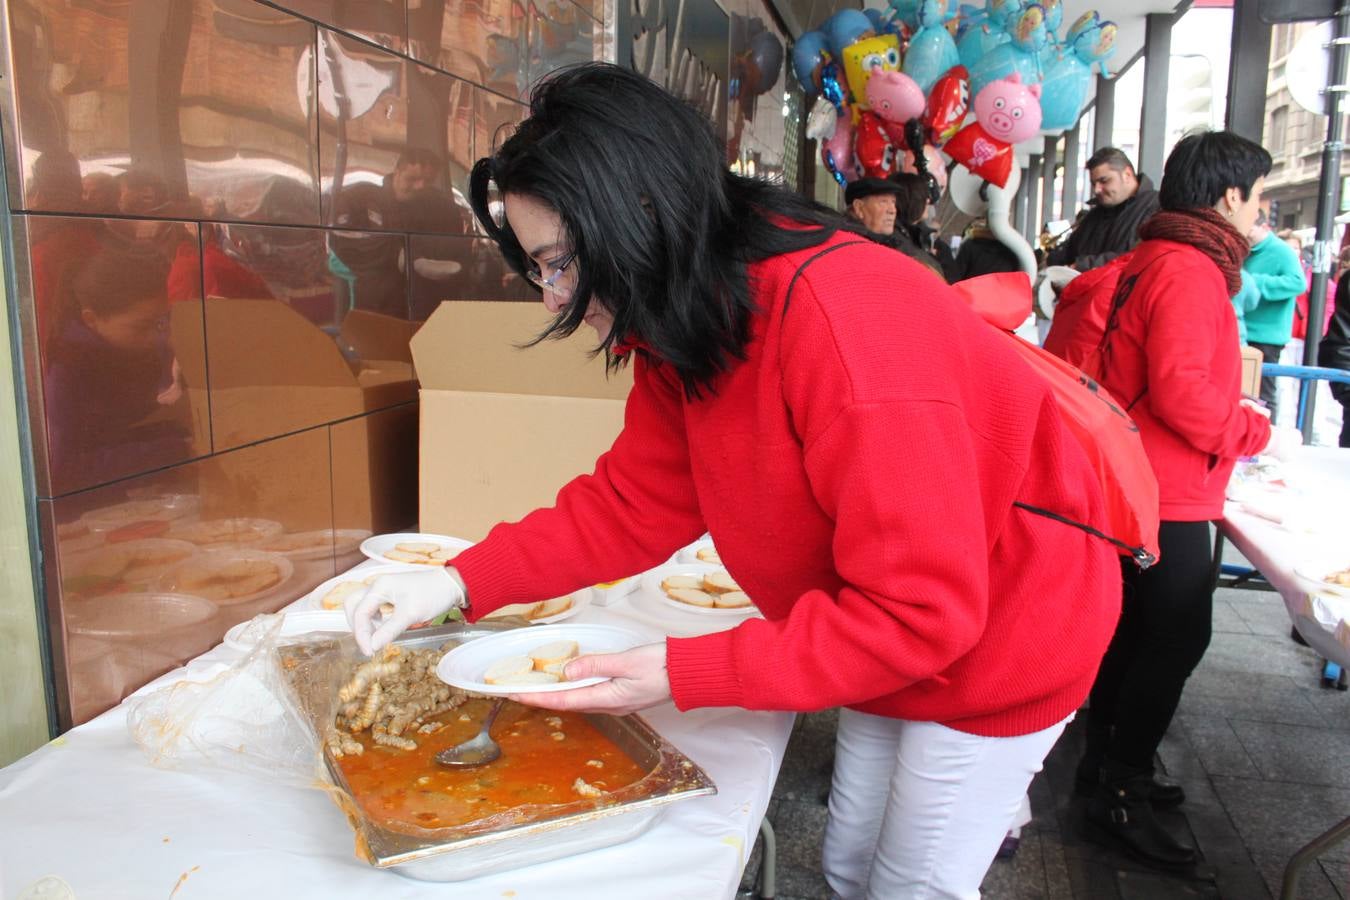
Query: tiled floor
[[1262, 750]]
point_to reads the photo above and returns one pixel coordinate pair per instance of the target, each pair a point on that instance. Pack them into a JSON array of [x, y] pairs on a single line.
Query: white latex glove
[[1285, 443], [404, 599]]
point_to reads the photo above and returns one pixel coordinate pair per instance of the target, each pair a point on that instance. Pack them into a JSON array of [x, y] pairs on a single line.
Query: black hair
[[663, 232], [112, 281], [1205, 164], [1110, 156], [912, 199]]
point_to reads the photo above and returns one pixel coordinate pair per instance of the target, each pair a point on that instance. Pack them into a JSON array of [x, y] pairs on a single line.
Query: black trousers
[[1164, 630]]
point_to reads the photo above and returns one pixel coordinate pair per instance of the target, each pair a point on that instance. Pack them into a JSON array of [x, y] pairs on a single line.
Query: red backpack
[[1101, 426], [1082, 310]]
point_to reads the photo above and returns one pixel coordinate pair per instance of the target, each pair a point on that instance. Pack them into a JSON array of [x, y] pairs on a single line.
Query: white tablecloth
[[1313, 513], [89, 809]]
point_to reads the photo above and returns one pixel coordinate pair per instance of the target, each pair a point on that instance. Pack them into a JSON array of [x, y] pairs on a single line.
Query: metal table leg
[[768, 868], [1317, 846]]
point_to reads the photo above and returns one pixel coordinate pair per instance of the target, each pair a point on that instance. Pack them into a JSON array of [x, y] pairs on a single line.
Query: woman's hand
[[638, 680]]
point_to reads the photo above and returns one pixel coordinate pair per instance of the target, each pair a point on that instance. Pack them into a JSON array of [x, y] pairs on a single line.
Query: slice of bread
[[404, 556], [709, 555], [554, 607], [444, 554], [691, 596], [524, 678], [556, 668], [732, 600], [524, 610], [682, 581], [421, 547], [719, 582], [507, 667], [553, 652]]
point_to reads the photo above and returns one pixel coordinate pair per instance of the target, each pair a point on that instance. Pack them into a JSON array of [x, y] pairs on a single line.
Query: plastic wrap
[[248, 718]]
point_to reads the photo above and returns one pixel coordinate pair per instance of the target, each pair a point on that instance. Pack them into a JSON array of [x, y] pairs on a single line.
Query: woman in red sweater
[[855, 440], [1170, 351]]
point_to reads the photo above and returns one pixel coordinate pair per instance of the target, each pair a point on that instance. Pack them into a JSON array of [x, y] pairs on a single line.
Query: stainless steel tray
[[549, 832]]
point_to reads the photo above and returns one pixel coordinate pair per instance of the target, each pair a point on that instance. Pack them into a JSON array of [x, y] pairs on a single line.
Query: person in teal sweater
[[1244, 301], [1275, 268]]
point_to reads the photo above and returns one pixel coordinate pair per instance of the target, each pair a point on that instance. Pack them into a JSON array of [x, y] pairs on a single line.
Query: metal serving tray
[[551, 834]]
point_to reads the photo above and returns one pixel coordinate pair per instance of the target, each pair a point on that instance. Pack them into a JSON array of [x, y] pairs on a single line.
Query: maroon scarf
[[1207, 231]]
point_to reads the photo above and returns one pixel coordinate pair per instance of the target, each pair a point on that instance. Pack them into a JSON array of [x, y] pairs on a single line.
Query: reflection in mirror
[[560, 35], [111, 371], [150, 93], [483, 42]]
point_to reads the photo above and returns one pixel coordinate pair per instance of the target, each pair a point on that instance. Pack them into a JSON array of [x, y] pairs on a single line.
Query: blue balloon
[[1064, 90], [806, 57], [880, 23], [906, 11], [845, 27], [979, 41], [931, 51], [1020, 55]]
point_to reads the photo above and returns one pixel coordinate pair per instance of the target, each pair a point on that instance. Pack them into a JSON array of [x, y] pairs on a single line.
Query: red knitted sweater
[[857, 473]]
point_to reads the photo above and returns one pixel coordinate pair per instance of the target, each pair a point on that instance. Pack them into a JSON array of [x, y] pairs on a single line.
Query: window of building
[[1277, 130]]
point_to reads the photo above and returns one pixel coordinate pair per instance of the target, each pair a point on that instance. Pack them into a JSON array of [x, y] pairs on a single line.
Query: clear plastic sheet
[[249, 718]]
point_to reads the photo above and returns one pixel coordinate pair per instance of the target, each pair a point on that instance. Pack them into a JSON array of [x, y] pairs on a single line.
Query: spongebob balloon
[[864, 56]]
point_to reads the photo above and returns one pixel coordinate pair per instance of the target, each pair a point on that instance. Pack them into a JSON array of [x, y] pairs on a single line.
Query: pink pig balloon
[[895, 97], [1009, 110]]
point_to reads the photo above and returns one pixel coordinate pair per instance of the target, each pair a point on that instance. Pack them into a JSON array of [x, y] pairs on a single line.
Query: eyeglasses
[[550, 283]]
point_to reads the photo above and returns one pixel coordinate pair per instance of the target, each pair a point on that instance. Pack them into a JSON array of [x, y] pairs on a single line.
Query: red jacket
[[857, 472], [1174, 362]]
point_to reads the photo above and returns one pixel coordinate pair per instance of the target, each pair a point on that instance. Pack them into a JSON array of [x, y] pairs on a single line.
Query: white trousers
[[918, 810]]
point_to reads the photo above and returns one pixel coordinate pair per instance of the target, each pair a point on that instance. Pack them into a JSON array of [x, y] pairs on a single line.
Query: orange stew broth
[[407, 787]]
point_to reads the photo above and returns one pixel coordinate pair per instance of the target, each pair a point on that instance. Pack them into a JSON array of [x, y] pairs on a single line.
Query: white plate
[[314, 599], [463, 667], [375, 547], [209, 560], [651, 586], [163, 508], [1314, 569], [245, 636], [216, 534], [580, 600], [322, 544]]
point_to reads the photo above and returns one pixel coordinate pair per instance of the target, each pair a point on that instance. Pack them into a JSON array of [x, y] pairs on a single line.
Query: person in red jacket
[[856, 440], [1170, 353]]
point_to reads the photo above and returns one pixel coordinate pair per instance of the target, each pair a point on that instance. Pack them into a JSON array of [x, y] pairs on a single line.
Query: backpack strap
[[1141, 557], [815, 256], [1122, 294]]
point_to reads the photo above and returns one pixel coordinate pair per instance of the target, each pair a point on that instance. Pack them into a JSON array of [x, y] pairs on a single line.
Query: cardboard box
[[271, 371], [1251, 371], [503, 428]]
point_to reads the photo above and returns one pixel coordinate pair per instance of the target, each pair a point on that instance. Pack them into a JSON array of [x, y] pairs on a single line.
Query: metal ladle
[[477, 750]]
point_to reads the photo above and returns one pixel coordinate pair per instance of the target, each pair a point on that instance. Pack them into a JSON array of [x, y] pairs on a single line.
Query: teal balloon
[[843, 28], [931, 51], [906, 11], [979, 41], [1021, 55]]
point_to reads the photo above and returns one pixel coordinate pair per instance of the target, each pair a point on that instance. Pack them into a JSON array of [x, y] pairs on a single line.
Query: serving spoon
[[477, 750]]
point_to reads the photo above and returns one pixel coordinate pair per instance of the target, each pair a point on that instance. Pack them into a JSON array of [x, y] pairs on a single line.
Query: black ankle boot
[[1165, 794], [1121, 812]]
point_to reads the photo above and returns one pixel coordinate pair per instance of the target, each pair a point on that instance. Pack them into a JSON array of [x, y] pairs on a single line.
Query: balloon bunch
[[892, 87]]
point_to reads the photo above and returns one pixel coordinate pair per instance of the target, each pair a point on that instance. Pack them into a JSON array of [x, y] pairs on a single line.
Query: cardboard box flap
[[469, 345], [377, 336], [285, 348]]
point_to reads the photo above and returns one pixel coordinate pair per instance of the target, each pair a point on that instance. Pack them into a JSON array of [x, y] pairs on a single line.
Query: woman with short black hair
[[856, 440], [1170, 352]]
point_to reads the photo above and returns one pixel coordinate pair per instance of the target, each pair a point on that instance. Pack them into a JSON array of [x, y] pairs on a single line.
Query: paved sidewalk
[[1262, 750]]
